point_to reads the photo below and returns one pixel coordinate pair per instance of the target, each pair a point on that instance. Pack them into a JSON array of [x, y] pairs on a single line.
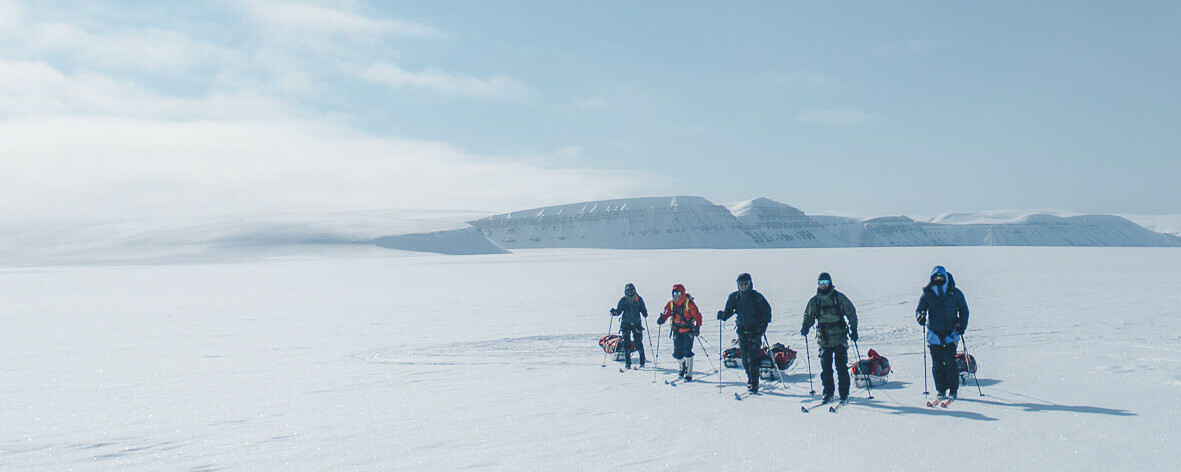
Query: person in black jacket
[[944, 311], [754, 313], [630, 308]]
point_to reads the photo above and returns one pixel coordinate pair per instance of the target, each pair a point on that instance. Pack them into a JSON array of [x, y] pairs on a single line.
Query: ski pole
[[711, 361], [808, 352], [706, 348], [868, 385], [925, 391], [774, 366], [656, 358], [649, 343], [721, 359], [963, 340], [609, 326]]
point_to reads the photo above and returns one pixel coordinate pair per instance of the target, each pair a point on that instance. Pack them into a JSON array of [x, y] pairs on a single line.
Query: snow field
[[432, 362]]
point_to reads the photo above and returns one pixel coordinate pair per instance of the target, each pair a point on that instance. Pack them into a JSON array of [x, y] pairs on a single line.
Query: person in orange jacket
[[686, 326]]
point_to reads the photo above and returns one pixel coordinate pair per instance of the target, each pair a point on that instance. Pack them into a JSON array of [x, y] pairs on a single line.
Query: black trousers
[[837, 357], [943, 368], [682, 345], [633, 335], [750, 344]]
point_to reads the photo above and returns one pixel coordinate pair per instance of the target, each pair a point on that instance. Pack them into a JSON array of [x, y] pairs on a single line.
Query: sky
[[123, 110]]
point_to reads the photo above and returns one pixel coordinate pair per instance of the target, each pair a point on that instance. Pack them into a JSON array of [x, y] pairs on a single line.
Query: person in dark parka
[[829, 310], [754, 314], [944, 311], [630, 308]]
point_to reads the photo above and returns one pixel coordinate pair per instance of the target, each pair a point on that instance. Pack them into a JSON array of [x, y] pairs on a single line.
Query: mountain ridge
[[680, 222]]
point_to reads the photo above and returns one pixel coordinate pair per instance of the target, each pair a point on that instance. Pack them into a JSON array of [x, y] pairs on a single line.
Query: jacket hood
[[950, 284], [682, 289], [745, 276]]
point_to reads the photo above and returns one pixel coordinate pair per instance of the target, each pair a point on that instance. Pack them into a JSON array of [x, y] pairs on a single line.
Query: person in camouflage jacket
[[829, 310]]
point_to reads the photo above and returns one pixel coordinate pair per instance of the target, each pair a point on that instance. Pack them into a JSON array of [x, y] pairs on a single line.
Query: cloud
[[497, 86], [835, 117], [149, 50], [30, 88], [304, 18], [73, 167], [86, 133]]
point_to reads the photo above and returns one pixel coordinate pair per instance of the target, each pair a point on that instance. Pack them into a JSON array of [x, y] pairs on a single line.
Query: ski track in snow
[[445, 362]]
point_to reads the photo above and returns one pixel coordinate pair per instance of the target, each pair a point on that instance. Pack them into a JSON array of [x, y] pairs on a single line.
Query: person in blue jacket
[[943, 310], [629, 309]]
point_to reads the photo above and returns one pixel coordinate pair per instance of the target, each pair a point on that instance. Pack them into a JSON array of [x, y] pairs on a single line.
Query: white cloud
[[497, 86], [304, 18], [11, 13], [143, 50], [84, 167], [34, 88], [835, 117]]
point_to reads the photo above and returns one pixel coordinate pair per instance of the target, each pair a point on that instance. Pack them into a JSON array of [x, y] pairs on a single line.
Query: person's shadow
[[1048, 406]]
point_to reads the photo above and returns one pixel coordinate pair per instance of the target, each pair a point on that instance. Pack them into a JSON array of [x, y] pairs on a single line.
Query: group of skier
[[942, 310]]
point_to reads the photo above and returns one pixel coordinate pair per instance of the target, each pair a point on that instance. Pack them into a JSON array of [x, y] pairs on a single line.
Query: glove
[[614, 312], [695, 331], [959, 328], [853, 335], [721, 315], [920, 317], [804, 332], [660, 321]]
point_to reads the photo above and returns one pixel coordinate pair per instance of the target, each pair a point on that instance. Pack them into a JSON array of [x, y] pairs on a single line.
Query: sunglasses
[[676, 293]]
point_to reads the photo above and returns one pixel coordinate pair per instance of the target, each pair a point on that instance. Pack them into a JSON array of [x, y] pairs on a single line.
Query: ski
[[936, 402], [947, 402], [814, 406], [743, 396], [834, 408]]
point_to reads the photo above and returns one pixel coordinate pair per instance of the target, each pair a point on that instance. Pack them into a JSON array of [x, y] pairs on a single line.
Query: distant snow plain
[[348, 357]]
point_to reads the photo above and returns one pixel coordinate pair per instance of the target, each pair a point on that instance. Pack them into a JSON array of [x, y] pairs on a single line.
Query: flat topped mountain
[[694, 222]]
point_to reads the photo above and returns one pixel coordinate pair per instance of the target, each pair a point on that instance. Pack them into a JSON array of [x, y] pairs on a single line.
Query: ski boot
[[689, 369]]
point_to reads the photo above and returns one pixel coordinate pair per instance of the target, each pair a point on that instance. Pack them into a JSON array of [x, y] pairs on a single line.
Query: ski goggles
[[676, 293], [824, 282]]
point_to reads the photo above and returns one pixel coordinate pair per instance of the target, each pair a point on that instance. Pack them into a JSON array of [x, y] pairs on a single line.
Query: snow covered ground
[[368, 359]]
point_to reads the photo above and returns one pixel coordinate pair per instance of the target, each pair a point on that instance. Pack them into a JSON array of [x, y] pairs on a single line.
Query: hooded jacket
[[752, 308], [684, 313], [829, 310], [945, 308], [631, 308]]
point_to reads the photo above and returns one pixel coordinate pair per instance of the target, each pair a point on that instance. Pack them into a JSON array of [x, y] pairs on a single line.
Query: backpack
[[783, 356], [873, 371], [611, 343], [732, 357], [965, 362], [876, 365]]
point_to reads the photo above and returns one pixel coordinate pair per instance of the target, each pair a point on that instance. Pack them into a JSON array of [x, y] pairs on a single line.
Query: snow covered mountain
[[634, 223], [773, 224], [694, 222]]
